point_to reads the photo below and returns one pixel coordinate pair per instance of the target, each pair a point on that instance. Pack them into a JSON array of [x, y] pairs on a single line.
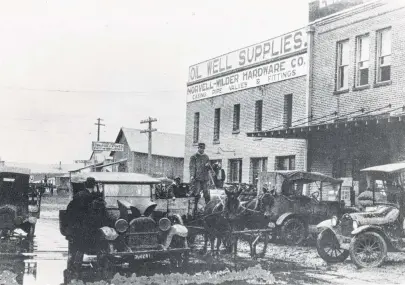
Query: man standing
[[199, 176], [78, 211], [219, 175]]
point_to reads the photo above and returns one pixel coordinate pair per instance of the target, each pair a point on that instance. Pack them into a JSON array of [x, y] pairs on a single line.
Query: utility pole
[[149, 130], [98, 124]]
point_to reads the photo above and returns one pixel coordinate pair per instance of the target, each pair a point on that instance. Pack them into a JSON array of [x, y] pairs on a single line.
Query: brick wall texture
[[247, 148], [374, 144], [324, 62]]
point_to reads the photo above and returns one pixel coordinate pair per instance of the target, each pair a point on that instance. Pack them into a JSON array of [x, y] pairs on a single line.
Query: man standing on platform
[[199, 176]]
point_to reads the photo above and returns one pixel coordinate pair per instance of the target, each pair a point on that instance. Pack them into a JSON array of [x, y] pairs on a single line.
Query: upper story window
[[342, 65], [236, 118], [362, 60], [217, 123], [258, 115], [384, 42], [196, 130]]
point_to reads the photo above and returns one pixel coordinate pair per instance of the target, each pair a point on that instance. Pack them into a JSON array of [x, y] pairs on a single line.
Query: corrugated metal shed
[[164, 144]]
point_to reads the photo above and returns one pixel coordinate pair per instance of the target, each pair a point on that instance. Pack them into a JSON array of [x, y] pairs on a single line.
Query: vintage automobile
[[14, 202], [367, 236], [301, 200], [131, 233]]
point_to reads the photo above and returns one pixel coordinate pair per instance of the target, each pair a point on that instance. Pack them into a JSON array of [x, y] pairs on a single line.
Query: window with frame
[[217, 123], [257, 165], [362, 60], [196, 130], [258, 115], [342, 65], [287, 110], [384, 42], [285, 162], [235, 171], [236, 118]]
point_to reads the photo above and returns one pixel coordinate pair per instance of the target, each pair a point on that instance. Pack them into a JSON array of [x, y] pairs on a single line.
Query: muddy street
[[43, 261]]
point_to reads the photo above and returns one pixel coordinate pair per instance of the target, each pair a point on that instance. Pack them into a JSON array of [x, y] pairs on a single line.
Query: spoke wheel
[[293, 232], [368, 249], [329, 249]]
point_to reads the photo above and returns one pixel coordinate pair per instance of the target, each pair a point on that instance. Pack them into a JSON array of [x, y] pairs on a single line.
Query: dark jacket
[[198, 170]]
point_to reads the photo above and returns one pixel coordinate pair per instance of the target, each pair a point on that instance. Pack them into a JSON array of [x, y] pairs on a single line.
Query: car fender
[[365, 228], [108, 233], [284, 217], [325, 224]]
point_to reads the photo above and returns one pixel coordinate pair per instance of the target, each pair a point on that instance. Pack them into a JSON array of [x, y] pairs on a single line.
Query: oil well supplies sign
[[264, 74]]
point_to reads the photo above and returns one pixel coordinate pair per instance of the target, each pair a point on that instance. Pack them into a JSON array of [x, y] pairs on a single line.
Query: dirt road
[[43, 261]]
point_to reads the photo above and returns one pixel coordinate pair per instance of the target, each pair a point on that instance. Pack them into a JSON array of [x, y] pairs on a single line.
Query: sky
[[63, 64]]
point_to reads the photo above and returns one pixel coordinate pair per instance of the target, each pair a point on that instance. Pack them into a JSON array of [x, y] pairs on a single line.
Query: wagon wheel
[[368, 249], [328, 247], [293, 232]]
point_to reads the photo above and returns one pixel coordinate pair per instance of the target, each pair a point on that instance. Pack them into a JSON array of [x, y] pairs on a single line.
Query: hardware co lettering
[[280, 46], [257, 76]]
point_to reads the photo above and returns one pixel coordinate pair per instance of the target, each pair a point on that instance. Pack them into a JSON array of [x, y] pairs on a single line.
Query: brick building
[[259, 87], [167, 153], [356, 95]]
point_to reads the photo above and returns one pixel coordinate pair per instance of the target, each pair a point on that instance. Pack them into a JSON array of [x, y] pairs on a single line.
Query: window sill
[[236, 132], [195, 143], [381, 84], [216, 142], [338, 92], [359, 88]]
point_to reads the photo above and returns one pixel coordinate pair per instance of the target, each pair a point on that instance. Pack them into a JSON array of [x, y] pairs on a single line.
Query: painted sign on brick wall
[[264, 74], [274, 48]]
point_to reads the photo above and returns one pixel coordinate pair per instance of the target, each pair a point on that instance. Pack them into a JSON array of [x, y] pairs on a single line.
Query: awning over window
[[302, 132]]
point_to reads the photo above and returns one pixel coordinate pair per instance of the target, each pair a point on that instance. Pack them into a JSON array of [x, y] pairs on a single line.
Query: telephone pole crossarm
[[98, 124]]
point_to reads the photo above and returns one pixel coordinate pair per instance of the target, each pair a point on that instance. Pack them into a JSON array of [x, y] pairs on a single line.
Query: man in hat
[[174, 188], [219, 175], [199, 176], [78, 213]]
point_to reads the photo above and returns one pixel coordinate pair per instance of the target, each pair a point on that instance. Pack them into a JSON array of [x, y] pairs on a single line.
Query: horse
[[254, 214], [218, 217]]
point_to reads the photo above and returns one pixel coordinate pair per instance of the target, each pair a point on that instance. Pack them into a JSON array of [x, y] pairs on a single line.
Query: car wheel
[[328, 247], [293, 231], [368, 249]]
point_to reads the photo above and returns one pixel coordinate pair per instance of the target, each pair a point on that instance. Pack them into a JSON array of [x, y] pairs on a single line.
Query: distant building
[[167, 153]]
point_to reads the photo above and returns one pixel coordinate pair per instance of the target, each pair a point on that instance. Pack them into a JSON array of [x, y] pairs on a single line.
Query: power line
[[92, 91]]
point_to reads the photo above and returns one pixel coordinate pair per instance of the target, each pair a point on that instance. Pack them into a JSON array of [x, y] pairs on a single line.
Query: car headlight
[[355, 225], [334, 221], [121, 225], [164, 224]]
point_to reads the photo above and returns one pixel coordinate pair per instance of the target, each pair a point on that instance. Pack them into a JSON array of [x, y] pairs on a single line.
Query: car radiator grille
[[143, 233], [347, 225]]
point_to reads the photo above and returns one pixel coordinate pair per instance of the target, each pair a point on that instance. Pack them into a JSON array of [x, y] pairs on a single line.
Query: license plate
[[142, 256]]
